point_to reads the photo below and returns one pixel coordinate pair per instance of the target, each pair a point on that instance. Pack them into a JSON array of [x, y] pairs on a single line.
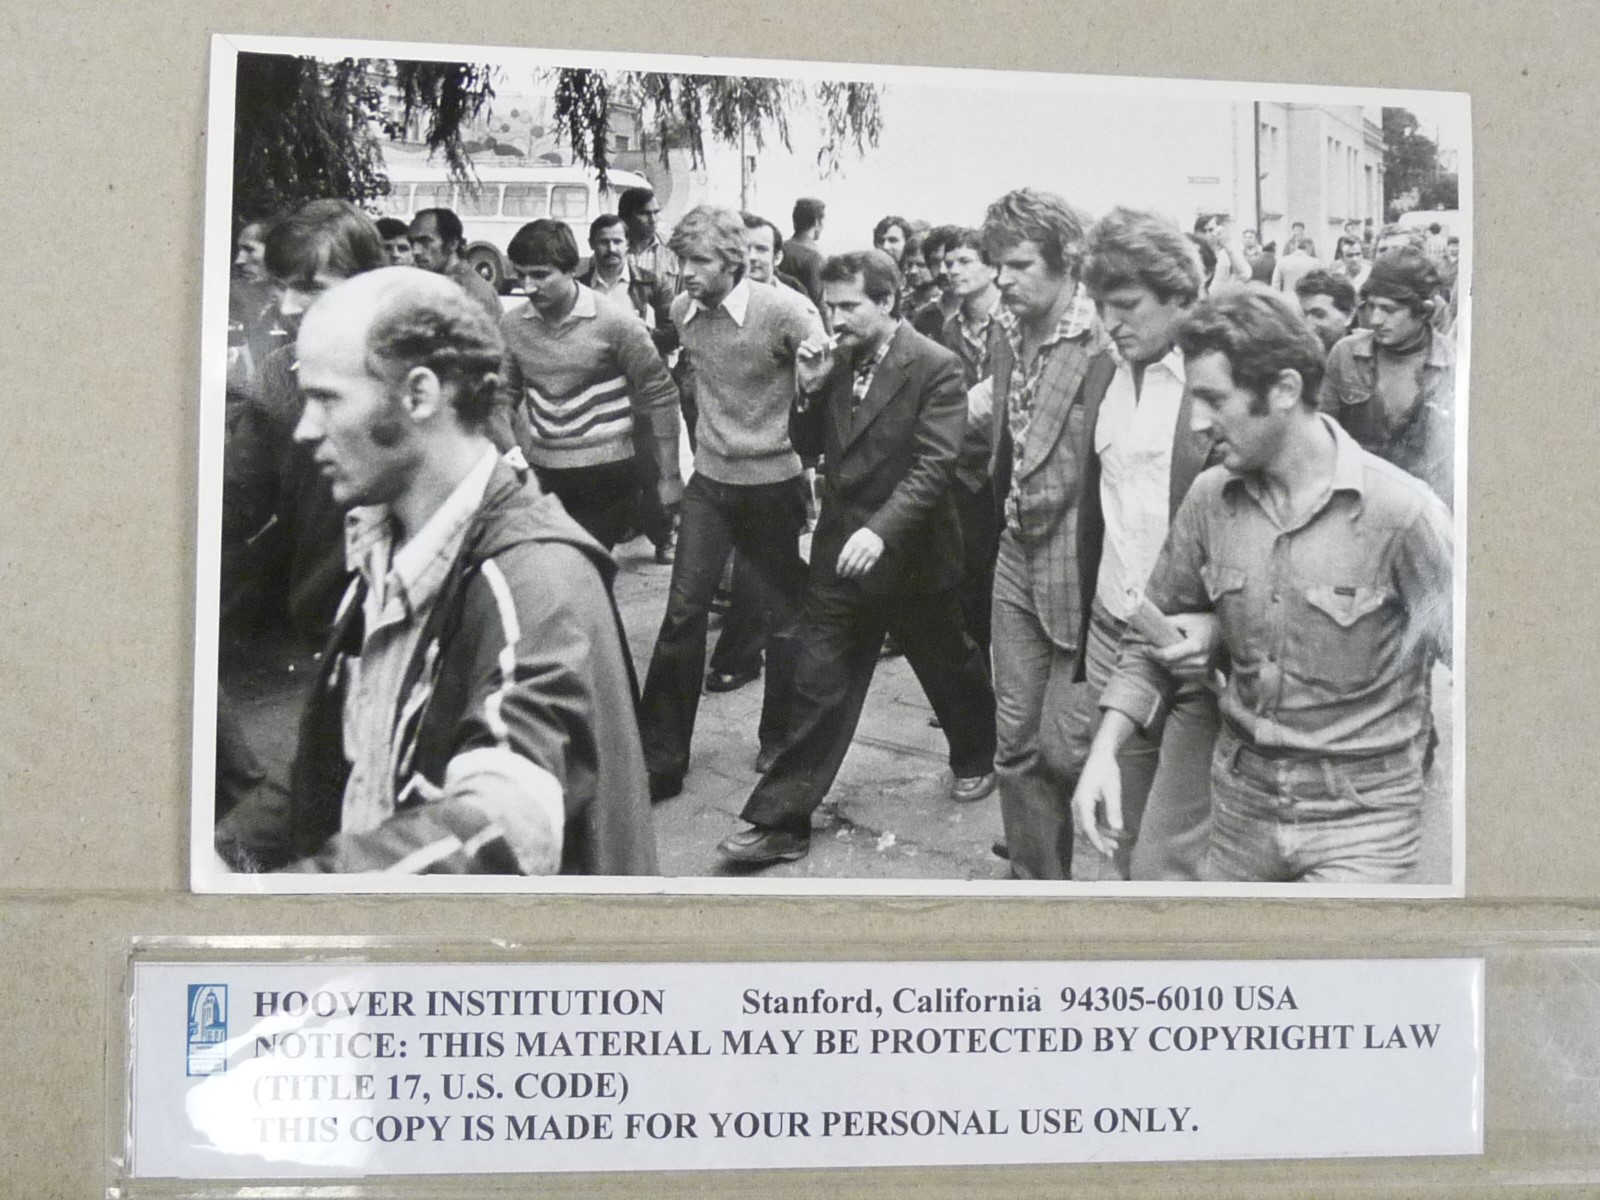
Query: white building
[[1321, 165], [946, 152]]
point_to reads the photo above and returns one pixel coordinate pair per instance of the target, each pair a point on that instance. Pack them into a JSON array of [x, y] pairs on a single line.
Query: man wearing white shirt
[[1144, 278], [1298, 262]]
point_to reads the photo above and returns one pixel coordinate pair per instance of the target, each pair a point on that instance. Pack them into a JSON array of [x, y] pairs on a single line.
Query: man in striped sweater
[[747, 492], [579, 371]]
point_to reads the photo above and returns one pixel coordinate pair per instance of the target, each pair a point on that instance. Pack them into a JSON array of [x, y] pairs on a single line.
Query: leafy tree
[[305, 129], [685, 109], [1411, 174]]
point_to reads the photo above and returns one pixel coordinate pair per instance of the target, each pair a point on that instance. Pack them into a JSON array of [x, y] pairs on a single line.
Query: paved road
[[888, 816]]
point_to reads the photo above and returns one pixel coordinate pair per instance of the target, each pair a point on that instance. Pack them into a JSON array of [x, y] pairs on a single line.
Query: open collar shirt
[[1023, 388], [1332, 622], [659, 261], [736, 304], [1133, 438], [401, 586]]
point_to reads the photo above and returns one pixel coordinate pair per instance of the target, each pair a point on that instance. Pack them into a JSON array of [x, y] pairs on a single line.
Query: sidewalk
[[889, 815]]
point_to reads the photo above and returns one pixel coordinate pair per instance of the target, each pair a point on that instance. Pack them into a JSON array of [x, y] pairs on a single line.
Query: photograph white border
[[208, 875]]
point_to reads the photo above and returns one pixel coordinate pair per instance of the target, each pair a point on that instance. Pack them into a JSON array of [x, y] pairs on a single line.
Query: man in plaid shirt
[[1049, 359]]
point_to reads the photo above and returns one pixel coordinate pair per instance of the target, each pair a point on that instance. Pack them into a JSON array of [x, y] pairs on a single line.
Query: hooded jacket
[[520, 678]]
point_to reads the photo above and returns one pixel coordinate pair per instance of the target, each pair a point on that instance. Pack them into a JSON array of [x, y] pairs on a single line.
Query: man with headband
[[1392, 385]]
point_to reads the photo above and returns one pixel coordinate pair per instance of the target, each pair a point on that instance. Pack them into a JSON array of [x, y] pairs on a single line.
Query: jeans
[[1033, 695], [1313, 820], [738, 648], [763, 522], [1166, 779]]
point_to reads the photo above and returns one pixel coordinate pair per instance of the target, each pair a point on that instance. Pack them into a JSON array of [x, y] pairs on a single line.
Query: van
[[500, 199]]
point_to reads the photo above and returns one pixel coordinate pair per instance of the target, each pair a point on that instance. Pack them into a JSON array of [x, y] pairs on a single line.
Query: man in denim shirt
[[1392, 385], [1329, 573]]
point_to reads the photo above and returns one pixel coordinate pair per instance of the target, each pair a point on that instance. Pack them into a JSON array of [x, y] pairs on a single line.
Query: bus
[[499, 200]]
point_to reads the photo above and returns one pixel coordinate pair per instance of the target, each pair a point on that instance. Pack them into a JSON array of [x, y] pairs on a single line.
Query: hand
[[1190, 660], [669, 491], [980, 403], [813, 359], [1097, 801], [860, 554]]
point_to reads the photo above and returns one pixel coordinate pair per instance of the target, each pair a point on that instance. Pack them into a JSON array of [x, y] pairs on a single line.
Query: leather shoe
[[730, 681], [757, 846], [664, 787], [765, 757], [971, 787]]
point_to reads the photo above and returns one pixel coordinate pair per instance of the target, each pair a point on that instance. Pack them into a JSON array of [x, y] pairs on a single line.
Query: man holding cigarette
[[1329, 572], [886, 408]]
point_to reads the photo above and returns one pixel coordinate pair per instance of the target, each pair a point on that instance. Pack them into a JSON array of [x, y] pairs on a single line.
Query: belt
[[1247, 760]]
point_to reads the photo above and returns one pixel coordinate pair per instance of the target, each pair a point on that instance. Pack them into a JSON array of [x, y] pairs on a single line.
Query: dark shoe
[[730, 681], [1001, 850], [665, 787], [765, 758], [757, 846], [972, 787]]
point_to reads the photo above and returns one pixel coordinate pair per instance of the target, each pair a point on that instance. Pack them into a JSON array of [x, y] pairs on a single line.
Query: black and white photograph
[[631, 473]]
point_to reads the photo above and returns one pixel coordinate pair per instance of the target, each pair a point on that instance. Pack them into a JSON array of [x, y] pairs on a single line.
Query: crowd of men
[[1159, 519]]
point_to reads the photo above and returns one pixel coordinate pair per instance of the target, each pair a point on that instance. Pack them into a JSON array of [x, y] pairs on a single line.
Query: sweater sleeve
[[507, 425], [653, 394]]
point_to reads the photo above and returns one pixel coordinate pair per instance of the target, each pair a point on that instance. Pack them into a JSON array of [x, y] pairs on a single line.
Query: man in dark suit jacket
[[887, 410]]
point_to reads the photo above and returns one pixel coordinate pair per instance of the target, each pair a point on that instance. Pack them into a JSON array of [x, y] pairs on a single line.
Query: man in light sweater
[[747, 492], [579, 371]]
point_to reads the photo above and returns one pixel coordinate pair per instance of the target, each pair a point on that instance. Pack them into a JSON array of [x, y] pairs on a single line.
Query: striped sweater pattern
[[579, 384]]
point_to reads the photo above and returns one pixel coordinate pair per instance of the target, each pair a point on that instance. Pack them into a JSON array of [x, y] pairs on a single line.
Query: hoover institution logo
[[208, 1029]]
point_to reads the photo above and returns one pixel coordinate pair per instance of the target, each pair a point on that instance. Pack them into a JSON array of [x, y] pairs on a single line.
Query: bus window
[[569, 201], [397, 203], [528, 200], [432, 195], [478, 199]]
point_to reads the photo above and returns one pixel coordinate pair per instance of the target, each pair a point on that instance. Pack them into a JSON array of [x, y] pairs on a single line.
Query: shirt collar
[[882, 352], [1171, 362], [415, 572], [623, 280], [583, 308], [1349, 466], [736, 302], [983, 321], [1438, 355], [1076, 321]]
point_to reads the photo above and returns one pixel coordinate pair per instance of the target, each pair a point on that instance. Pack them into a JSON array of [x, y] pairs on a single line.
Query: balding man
[[474, 711]]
